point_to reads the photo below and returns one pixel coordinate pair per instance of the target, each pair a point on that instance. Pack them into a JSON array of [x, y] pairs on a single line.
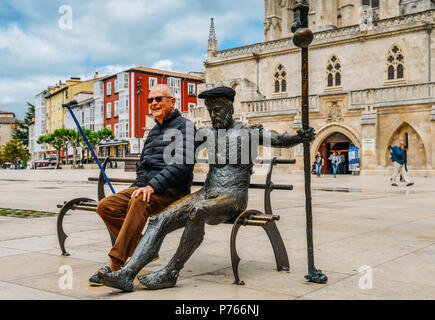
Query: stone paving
[[358, 221]]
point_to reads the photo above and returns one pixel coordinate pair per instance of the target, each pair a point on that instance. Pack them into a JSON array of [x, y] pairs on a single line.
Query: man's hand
[[307, 135], [147, 192]]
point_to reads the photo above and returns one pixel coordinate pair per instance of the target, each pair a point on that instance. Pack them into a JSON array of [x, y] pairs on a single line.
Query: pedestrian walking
[[319, 161], [335, 161], [398, 156], [341, 165]]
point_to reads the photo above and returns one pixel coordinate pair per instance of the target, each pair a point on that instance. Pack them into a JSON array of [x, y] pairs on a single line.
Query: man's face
[[160, 110], [220, 114]]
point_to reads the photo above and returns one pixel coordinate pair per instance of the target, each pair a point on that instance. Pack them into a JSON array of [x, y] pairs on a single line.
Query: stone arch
[[331, 128], [416, 155]]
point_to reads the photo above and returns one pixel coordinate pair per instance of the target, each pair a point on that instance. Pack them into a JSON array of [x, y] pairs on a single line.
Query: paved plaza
[[361, 223]]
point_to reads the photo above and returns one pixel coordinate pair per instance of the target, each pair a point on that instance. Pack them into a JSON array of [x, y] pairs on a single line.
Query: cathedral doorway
[[337, 142]]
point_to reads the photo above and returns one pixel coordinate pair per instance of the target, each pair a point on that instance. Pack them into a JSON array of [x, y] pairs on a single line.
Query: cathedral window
[[280, 79], [333, 71], [395, 64], [371, 3]]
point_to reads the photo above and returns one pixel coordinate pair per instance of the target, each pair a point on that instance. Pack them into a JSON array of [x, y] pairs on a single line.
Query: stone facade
[[7, 121], [371, 73]]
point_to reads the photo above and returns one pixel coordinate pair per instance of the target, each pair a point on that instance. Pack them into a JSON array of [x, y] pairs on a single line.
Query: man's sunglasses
[[158, 99]]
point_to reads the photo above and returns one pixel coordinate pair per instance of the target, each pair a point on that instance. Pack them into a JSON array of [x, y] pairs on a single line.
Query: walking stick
[[69, 105], [302, 38]]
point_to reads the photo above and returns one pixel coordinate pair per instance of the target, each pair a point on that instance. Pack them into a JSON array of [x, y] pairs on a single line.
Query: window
[[333, 71], [116, 109], [109, 127], [192, 89], [152, 82], [395, 64], [371, 3], [280, 79], [116, 85], [109, 89], [116, 131], [108, 110], [126, 80], [175, 84], [192, 105]]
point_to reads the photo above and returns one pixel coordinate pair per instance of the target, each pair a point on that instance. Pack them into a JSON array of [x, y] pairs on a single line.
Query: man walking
[[158, 183], [398, 156], [335, 162]]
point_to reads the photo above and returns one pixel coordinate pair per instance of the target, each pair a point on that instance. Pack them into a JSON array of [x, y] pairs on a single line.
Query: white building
[[38, 129]]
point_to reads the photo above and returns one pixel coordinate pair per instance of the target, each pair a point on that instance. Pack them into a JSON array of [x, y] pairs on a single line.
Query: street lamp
[[139, 91], [302, 38]]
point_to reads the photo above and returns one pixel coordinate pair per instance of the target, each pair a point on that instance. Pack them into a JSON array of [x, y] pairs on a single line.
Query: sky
[[43, 42]]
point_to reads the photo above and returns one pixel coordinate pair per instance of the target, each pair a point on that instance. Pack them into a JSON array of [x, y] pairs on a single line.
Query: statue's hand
[[307, 135], [257, 126]]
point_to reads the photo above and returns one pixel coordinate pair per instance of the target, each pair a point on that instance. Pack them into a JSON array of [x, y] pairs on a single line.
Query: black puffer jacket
[[177, 171]]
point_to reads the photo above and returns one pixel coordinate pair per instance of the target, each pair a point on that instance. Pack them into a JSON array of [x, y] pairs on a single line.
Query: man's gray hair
[[169, 91]]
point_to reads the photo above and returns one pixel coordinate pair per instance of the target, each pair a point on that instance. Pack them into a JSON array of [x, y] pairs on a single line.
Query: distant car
[[40, 163]]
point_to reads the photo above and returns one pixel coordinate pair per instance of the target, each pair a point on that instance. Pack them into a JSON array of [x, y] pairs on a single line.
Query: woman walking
[[319, 164]]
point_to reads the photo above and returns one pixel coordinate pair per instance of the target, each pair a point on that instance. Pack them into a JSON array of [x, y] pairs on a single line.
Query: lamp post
[[302, 38], [139, 91]]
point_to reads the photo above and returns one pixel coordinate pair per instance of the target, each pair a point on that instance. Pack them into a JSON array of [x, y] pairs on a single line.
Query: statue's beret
[[218, 92]]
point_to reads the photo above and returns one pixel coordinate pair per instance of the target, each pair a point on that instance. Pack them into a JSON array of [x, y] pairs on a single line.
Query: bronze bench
[[265, 219]]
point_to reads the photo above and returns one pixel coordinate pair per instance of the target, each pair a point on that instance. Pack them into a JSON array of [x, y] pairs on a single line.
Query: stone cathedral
[[371, 80]]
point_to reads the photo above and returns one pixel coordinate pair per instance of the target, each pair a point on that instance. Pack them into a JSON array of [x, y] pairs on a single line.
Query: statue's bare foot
[[121, 279], [165, 278]]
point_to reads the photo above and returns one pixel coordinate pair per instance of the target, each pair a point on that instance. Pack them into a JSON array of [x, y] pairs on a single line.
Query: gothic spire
[[212, 42]]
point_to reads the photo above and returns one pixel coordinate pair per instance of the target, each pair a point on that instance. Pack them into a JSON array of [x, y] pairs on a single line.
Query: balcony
[[393, 96], [280, 106]]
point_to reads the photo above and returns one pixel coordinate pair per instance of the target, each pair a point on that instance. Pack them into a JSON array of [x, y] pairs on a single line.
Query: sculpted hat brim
[[218, 92]]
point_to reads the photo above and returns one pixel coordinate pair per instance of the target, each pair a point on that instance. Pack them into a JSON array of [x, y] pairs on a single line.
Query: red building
[[125, 108]]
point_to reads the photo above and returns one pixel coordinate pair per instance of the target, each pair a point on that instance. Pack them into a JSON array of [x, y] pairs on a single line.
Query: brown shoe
[[394, 184], [410, 184]]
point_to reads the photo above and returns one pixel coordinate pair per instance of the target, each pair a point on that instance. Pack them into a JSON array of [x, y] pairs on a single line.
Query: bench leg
[[61, 235], [281, 257]]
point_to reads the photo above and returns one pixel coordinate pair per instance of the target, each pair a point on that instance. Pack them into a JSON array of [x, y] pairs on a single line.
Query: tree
[[74, 139], [13, 149], [21, 131], [58, 139], [95, 138]]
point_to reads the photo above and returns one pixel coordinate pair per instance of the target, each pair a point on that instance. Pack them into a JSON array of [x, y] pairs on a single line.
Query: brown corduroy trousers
[[126, 217]]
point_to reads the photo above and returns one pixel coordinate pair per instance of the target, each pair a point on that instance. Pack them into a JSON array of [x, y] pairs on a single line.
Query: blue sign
[[354, 159]]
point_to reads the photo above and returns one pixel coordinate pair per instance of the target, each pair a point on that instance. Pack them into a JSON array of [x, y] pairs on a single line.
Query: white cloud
[[163, 64], [111, 36]]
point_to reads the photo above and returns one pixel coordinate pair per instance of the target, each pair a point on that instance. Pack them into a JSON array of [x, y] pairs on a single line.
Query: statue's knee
[[155, 222], [198, 212]]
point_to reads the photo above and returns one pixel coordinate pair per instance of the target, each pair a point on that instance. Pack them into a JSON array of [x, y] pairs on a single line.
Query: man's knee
[[102, 208], [138, 206]]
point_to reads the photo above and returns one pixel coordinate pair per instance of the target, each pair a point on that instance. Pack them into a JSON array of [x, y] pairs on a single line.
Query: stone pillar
[[368, 162], [389, 9], [431, 159], [326, 14], [348, 12], [272, 20]]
